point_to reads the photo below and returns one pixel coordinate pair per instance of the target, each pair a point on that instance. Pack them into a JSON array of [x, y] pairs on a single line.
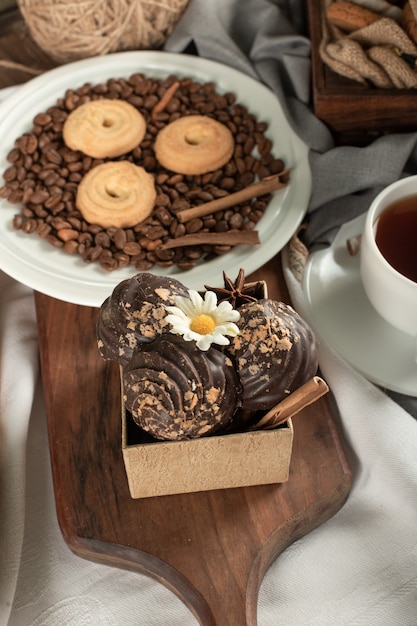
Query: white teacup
[[393, 295]]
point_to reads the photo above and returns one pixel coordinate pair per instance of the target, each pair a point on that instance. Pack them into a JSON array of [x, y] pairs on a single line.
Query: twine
[[69, 31]]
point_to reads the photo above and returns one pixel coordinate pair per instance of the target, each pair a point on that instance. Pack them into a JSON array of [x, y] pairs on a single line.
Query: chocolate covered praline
[[275, 353], [134, 314], [176, 391]]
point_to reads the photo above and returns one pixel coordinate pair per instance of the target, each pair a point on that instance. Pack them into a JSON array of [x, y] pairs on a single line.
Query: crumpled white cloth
[[41, 582], [357, 569]]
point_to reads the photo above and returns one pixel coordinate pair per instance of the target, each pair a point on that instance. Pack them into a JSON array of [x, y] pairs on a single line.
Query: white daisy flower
[[203, 320]]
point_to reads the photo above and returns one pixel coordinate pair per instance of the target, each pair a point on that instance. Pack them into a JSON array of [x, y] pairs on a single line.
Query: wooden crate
[[356, 114]]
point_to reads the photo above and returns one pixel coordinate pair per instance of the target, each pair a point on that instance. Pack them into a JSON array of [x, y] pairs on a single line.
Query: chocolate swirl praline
[[176, 391], [275, 352], [134, 314]]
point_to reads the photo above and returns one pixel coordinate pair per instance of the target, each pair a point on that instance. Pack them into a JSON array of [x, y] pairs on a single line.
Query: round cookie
[[194, 144], [116, 193], [104, 128], [176, 391]]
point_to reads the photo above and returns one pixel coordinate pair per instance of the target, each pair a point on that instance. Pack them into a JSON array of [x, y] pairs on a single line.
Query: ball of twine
[[72, 30]]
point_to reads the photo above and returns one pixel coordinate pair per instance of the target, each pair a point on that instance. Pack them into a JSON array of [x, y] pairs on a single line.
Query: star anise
[[237, 293]]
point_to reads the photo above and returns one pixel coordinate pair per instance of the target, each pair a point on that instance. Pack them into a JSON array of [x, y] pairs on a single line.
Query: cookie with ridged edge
[[176, 391]]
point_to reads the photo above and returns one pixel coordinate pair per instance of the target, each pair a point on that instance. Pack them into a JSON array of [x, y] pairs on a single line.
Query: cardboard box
[[219, 462], [160, 468]]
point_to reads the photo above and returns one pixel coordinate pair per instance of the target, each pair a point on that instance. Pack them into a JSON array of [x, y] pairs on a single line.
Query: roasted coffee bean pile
[[44, 174]]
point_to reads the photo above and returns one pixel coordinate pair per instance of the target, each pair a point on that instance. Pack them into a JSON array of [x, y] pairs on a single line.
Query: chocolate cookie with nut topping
[[274, 353], [176, 391], [134, 314]]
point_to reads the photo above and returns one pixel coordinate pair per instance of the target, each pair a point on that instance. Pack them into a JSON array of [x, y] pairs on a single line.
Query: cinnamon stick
[[298, 400], [264, 186], [160, 106], [229, 238]]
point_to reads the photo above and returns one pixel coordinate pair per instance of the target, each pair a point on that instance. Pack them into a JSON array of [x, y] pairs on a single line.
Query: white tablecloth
[[357, 569]]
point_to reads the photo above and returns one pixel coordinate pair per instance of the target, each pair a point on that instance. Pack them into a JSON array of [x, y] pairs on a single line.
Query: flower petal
[[197, 301], [225, 319], [232, 329], [204, 342], [174, 310], [178, 318], [225, 306], [210, 302], [190, 335], [220, 339], [186, 306], [225, 311]]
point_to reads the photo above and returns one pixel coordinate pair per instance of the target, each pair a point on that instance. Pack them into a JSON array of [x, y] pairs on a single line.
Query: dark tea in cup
[[396, 235]]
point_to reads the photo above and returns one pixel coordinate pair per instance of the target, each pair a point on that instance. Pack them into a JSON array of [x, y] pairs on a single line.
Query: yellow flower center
[[203, 324]]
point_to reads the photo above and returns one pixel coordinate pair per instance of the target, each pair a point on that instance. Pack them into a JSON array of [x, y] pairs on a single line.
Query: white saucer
[[342, 313]]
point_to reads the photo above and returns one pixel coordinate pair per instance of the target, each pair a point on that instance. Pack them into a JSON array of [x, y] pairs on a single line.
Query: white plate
[[342, 313], [37, 264]]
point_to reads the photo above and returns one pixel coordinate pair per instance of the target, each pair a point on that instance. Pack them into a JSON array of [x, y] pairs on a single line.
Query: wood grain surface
[[19, 51], [211, 548]]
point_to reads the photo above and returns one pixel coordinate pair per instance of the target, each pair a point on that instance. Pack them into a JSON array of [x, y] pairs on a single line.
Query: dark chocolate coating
[[275, 353], [176, 391], [135, 314]]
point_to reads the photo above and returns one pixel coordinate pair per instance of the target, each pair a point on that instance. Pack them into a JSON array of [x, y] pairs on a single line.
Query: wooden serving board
[[211, 548]]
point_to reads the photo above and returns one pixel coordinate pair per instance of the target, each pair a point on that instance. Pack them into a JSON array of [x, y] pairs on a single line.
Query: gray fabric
[[268, 40]]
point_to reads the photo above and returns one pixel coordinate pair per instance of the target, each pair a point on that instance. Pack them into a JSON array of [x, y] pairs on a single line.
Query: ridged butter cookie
[[104, 128]]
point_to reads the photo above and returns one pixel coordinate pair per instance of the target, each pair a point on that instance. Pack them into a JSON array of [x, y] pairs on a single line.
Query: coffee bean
[[10, 174], [236, 221], [39, 197], [27, 212], [92, 254], [143, 265], [119, 238], [164, 255], [17, 222], [14, 155], [102, 239], [132, 248], [43, 229], [162, 200], [194, 225], [108, 263], [42, 119], [28, 143], [54, 241], [186, 264], [15, 196], [71, 246], [123, 260], [85, 238]]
